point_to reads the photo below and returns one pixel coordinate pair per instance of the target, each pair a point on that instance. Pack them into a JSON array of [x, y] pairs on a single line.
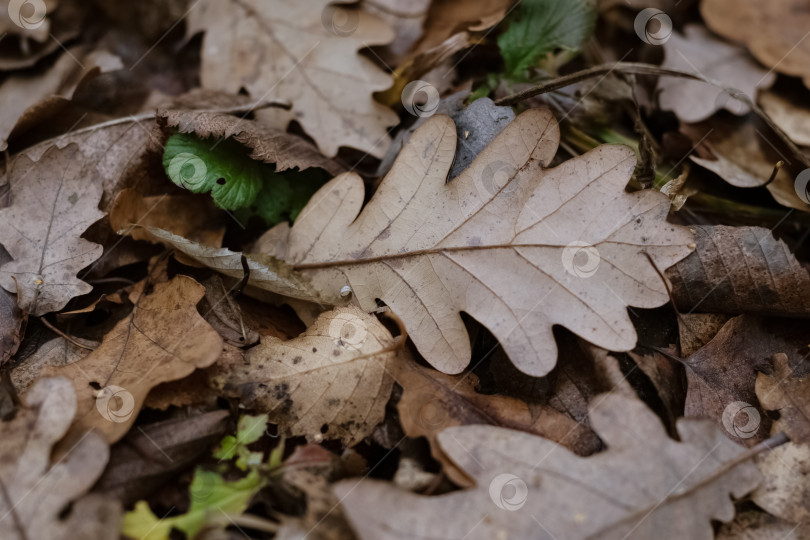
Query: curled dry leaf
[[791, 117], [730, 65], [268, 144], [773, 31], [304, 52], [432, 401], [644, 485], [163, 339], [266, 272], [332, 376], [35, 492], [53, 201], [517, 246], [740, 270], [789, 395], [739, 152]]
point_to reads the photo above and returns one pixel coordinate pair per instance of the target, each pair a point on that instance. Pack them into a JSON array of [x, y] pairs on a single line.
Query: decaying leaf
[[163, 339], [269, 145], [753, 525], [53, 201], [741, 154], [730, 65], [791, 117], [306, 53], [740, 270], [721, 375], [644, 486], [432, 401], [332, 381], [785, 490], [774, 32], [36, 492], [517, 246], [789, 395]]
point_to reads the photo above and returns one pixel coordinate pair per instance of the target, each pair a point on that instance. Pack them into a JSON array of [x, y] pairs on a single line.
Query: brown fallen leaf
[[12, 317], [644, 486], [305, 53], [224, 314], [668, 380], [163, 339], [143, 460], [22, 94], [721, 376], [697, 329], [432, 401], [515, 245], [791, 117], [330, 382], [189, 216], [269, 145], [323, 518], [406, 17], [448, 17], [740, 270], [774, 32], [36, 492], [53, 201], [789, 395], [740, 153], [697, 50], [56, 352], [785, 490]]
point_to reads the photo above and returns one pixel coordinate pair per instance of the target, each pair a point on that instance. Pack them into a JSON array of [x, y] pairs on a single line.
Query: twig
[[638, 68], [776, 169], [67, 337]]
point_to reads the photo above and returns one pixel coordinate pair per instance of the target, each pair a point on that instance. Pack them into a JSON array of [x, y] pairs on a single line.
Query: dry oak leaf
[[791, 117], [163, 339], [304, 52], [730, 65], [740, 270], [36, 492], [788, 394], [645, 485], [503, 242], [433, 401], [332, 375], [775, 32], [53, 201], [784, 491]]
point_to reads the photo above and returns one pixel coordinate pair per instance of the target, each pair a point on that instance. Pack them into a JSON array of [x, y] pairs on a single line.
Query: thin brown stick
[[52, 328], [639, 68]]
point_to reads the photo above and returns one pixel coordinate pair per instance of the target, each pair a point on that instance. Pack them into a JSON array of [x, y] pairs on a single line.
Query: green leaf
[[212, 500], [222, 167], [540, 27], [284, 195], [249, 430]]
